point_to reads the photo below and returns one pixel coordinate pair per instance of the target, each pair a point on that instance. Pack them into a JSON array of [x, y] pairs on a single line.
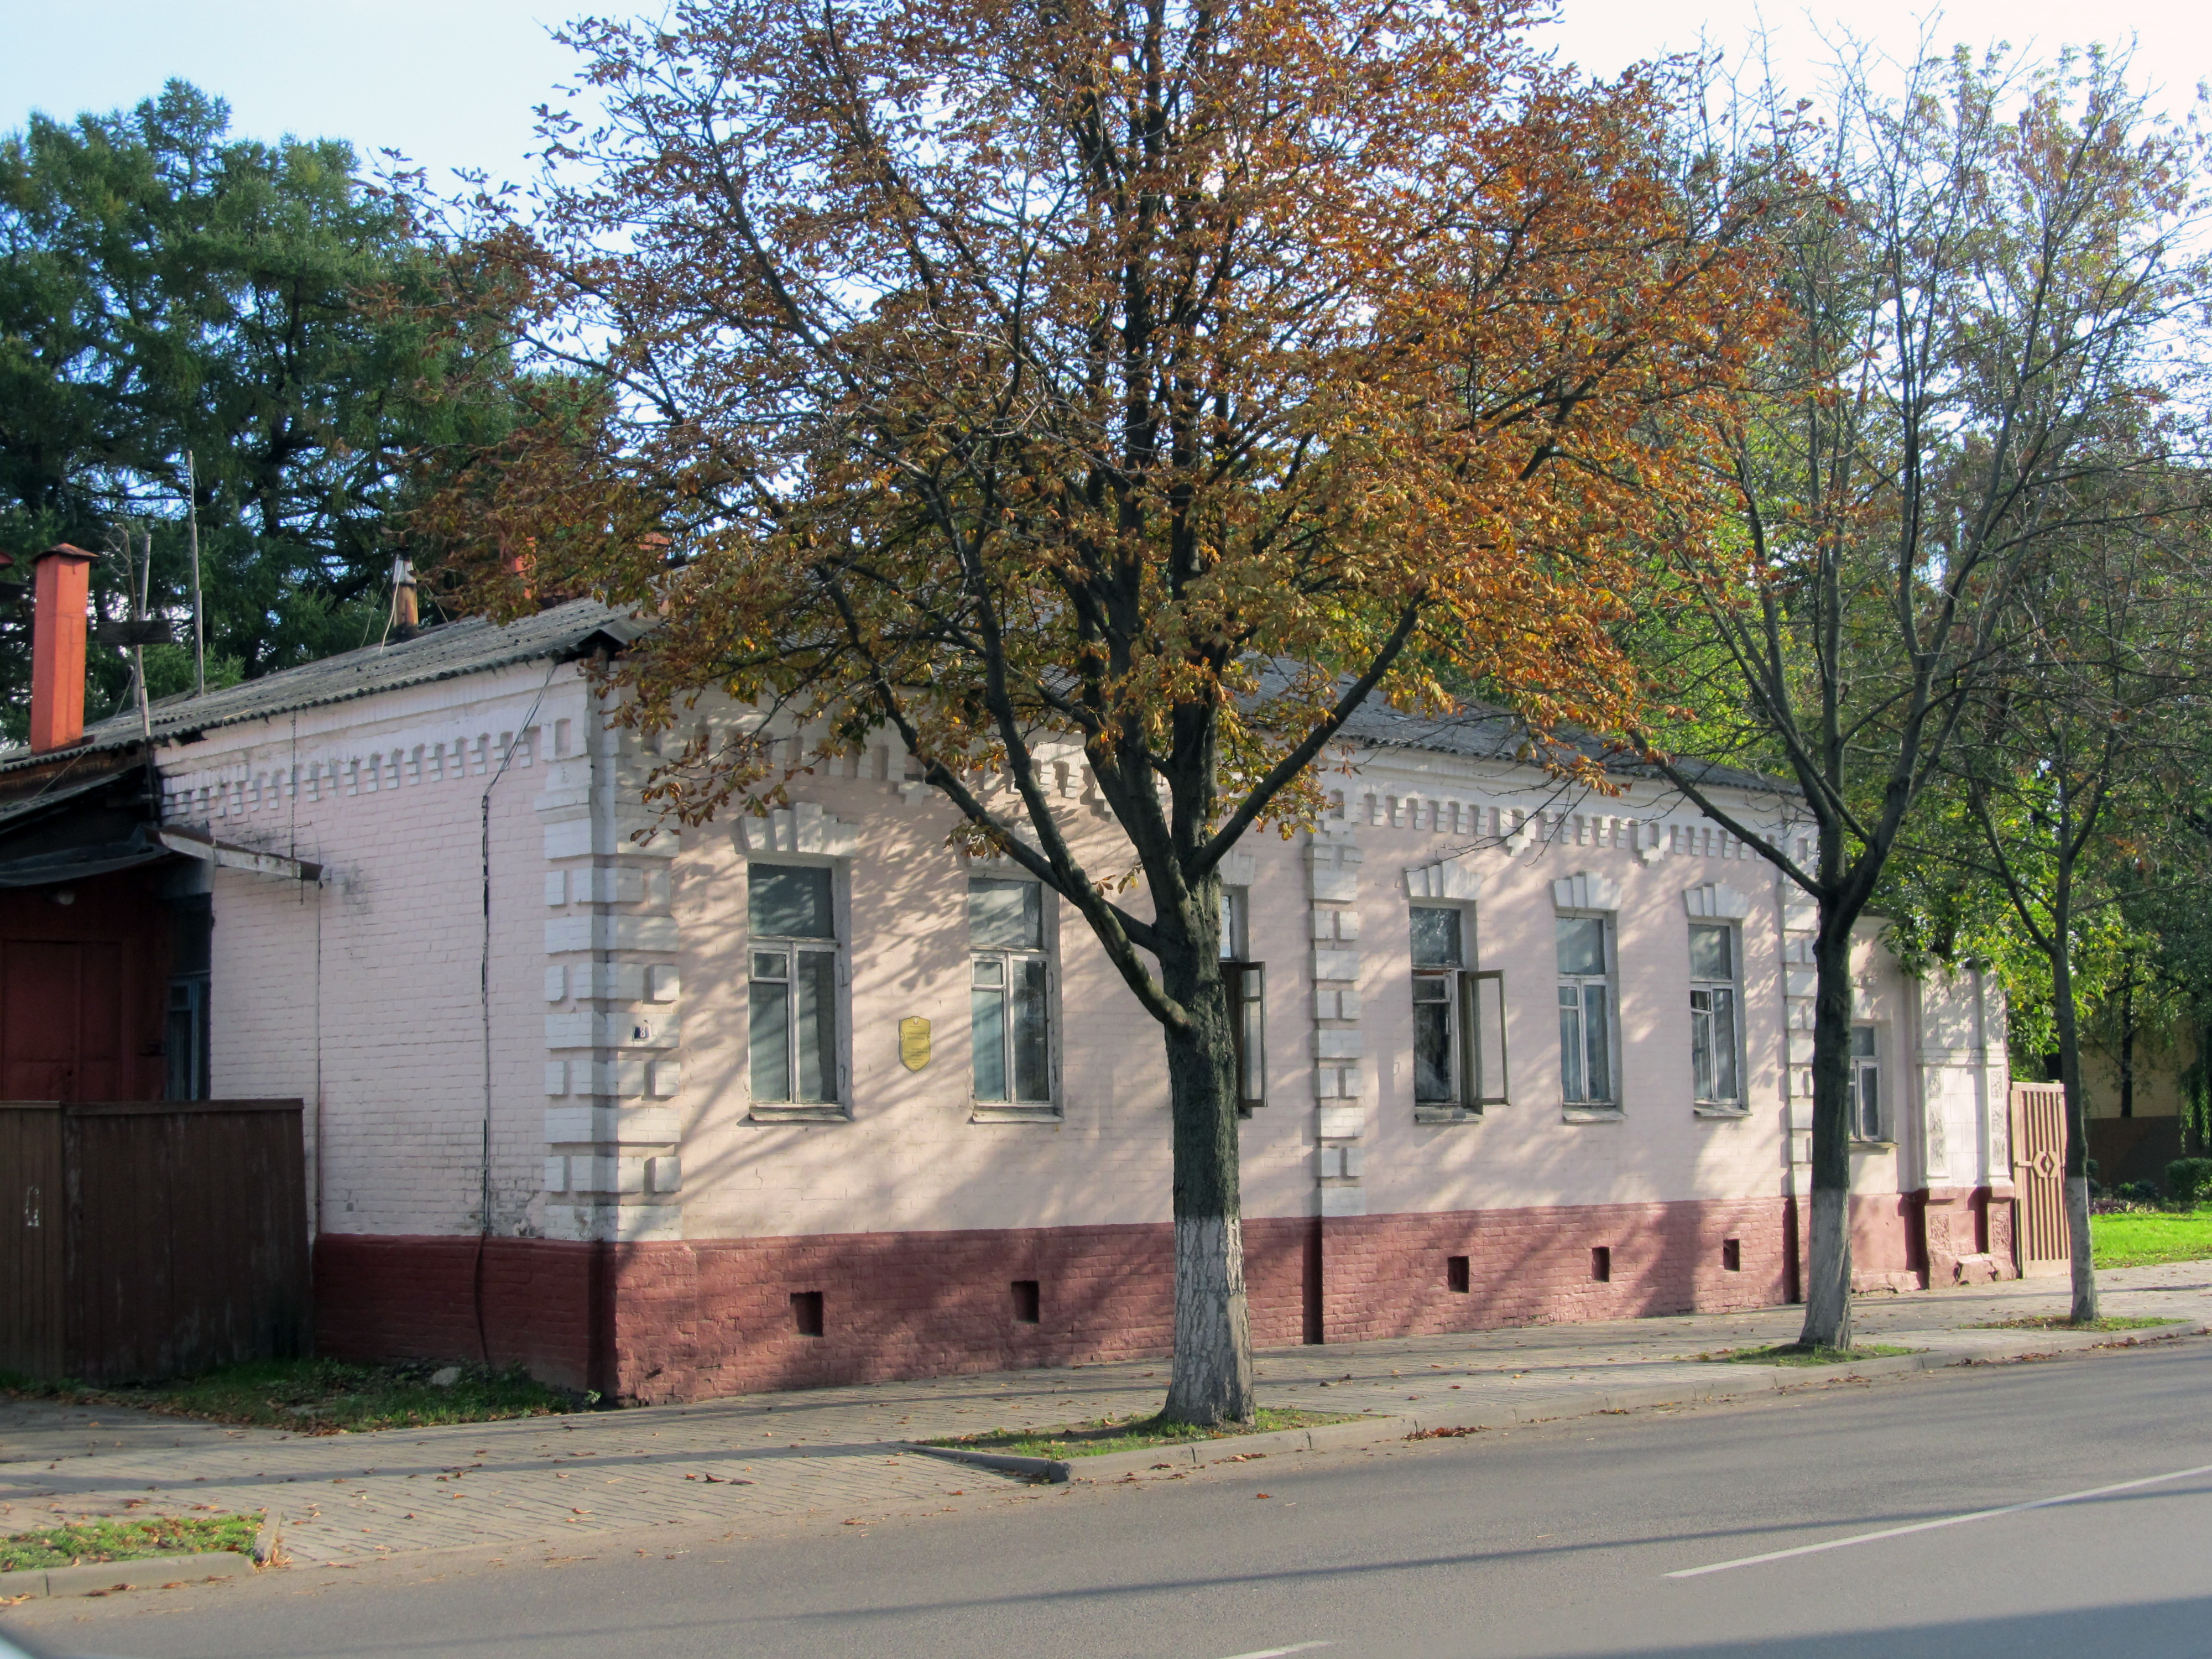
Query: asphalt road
[[1563, 1540]]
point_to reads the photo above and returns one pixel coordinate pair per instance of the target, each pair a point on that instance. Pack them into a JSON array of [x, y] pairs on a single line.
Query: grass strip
[[2061, 1323], [1105, 1434], [2143, 1238], [328, 1396], [1801, 1353], [139, 1538]]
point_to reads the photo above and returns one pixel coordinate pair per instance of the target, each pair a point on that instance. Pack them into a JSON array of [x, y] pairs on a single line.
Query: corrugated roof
[[1482, 732], [474, 645]]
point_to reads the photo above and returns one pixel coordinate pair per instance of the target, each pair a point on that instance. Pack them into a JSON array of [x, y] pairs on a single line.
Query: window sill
[[1719, 1108], [1593, 1114], [1447, 1113], [983, 1112], [1859, 1145], [830, 1112]]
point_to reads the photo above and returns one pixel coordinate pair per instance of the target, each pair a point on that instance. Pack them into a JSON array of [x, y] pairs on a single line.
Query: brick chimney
[[59, 594]]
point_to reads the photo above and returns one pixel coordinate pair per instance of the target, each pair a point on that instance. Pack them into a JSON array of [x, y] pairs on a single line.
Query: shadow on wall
[[713, 1315]]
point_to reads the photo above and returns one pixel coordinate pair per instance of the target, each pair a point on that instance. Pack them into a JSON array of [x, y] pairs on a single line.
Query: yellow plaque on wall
[[913, 1042]]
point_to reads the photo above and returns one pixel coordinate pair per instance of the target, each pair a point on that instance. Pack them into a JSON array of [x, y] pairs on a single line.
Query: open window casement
[[1459, 1017], [1487, 994], [1246, 983]]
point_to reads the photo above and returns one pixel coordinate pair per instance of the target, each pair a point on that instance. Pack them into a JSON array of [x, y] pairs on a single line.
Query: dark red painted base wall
[[661, 1321], [415, 1298]]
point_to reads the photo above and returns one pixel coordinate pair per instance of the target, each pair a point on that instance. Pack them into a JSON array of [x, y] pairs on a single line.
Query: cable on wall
[[484, 993]]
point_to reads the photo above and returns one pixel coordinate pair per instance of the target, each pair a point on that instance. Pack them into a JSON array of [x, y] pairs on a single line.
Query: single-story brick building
[[814, 1097]]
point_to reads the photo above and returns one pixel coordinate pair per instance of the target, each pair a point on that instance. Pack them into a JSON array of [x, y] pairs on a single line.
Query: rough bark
[[1828, 1259], [1211, 1381]]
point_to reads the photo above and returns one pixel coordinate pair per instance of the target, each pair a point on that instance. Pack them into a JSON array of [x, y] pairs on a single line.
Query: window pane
[[1725, 1085], [1862, 1041], [789, 901], [1582, 945], [987, 1009], [1712, 954], [1005, 916], [1869, 1104], [770, 964], [186, 1078], [990, 970], [1432, 1037], [1597, 1031], [1571, 1042], [1032, 1056], [817, 1026], [771, 1041], [1251, 1015], [1437, 937], [1232, 923]]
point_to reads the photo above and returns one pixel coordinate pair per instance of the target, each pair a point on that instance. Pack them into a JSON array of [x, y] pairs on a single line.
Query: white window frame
[[1473, 1001], [838, 1107], [1701, 1021], [1864, 1067], [1047, 951], [1609, 1105]]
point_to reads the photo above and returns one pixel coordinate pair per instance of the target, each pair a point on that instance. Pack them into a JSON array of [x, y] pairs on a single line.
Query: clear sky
[[451, 83]]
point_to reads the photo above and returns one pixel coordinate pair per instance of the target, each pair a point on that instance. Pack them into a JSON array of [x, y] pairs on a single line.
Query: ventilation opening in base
[[807, 1312]]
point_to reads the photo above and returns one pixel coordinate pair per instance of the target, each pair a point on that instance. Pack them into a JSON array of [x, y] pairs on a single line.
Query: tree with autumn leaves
[[1157, 380]]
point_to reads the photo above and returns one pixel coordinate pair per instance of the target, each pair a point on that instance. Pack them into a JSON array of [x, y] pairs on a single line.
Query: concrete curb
[[1748, 1379], [98, 1578], [1036, 1468]]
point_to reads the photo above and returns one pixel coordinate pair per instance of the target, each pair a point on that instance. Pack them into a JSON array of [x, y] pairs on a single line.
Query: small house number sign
[[913, 1042]]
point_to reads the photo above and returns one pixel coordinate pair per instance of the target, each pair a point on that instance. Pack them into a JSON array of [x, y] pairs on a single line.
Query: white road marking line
[[1948, 1521], [1277, 1653]]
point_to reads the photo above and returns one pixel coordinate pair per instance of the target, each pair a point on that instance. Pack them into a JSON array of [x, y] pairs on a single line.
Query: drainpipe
[[62, 588]]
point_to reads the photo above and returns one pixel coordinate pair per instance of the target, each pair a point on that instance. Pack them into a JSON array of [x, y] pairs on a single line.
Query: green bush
[[2188, 1180]]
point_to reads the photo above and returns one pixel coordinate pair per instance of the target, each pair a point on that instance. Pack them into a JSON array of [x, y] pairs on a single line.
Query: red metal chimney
[[61, 586]]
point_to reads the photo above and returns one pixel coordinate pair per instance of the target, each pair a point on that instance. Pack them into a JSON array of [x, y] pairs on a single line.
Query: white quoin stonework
[[1333, 861], [613, 1044]]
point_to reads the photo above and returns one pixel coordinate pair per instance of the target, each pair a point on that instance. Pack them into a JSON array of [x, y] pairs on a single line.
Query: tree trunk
[[2077, 1134], [1211, 1378], [1828, 1255], [2127, 1043]]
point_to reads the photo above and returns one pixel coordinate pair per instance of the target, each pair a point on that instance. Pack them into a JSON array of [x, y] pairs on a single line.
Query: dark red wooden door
[[62, 1017]]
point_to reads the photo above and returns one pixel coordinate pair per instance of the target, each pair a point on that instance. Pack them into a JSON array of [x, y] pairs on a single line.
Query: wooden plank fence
[[151, 1239]]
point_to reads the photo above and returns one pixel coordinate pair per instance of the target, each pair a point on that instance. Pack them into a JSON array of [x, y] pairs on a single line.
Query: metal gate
[[2038, 1173]]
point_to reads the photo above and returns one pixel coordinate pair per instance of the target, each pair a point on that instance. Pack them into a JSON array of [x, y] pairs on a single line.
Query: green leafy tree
[[2083, 721], [1996, 276], [167, 288]]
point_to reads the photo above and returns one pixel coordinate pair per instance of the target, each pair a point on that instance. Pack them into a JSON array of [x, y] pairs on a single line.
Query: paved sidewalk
[[355, 1497]]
